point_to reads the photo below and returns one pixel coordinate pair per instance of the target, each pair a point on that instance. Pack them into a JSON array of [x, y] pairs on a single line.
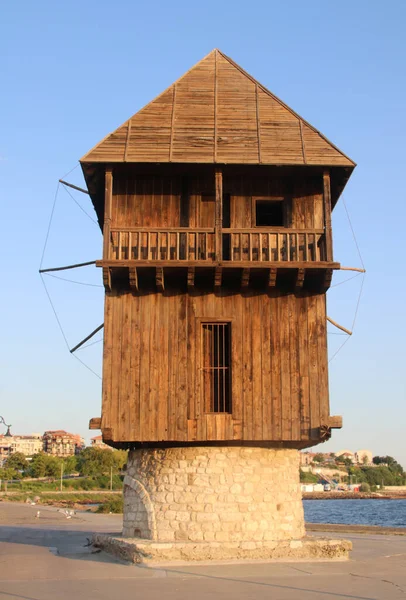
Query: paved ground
[[46, 558]]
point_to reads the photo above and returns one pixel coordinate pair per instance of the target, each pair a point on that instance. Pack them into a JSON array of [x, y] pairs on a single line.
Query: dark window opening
[[217, 367], [269, 213]]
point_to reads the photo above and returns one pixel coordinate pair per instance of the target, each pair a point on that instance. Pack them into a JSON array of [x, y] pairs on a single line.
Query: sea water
[[385, 513]]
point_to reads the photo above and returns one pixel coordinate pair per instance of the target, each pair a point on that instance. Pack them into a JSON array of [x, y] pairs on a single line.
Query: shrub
[[113, 505], [365, 487]]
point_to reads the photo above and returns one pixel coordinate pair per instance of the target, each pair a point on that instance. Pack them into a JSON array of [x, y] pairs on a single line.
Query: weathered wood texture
[[153, 388], [149, 215], [218, 113]]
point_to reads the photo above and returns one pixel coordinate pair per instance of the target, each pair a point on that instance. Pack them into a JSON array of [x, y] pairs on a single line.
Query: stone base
[[144, 551], [226, 494]]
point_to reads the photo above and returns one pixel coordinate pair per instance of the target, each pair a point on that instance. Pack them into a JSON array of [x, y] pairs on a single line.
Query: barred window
[[217, 366]]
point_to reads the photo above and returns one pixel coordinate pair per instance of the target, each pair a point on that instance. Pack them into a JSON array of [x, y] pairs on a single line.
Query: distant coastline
[[354, 495]]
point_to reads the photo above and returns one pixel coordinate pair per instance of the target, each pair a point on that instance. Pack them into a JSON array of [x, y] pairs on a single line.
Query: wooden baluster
[[260, 247], [119, 245], [278, 247], [306, 241], [297, 246], [129, 246], [250, 246]]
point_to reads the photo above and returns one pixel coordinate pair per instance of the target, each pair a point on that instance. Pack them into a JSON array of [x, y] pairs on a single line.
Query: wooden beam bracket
[[218, 274], [107, 278], [159, 279], [133, 279], [300, 275], [191, 277], [272, 277], [245, 278]]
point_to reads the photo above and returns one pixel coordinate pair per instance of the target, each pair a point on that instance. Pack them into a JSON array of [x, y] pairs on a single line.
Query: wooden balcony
[[184, 246], [296, 257]]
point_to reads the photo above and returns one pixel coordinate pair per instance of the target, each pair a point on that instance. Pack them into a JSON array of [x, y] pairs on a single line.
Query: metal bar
[[85, 264], [74, 187], [87, 338]]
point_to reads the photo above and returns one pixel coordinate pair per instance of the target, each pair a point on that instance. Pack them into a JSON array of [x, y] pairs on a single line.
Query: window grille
[[217, 367]]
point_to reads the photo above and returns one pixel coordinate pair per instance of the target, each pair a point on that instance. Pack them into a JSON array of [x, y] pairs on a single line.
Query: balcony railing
[[239, 245], [163, 244], [281, 245]]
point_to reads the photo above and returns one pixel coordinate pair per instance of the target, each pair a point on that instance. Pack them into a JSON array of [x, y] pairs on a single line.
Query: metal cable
[[80, 206], [49, 225], [62, 331], [73, 281]]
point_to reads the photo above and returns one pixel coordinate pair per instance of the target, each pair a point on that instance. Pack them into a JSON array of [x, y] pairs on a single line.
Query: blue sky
[[72, 72]]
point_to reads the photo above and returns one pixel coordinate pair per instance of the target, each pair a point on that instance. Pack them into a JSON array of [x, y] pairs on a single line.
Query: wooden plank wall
[[152, 382], [155, 201]]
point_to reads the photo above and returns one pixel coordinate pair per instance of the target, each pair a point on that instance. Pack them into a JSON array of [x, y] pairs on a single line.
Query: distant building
[[306, 458], [26, 444], [345, 454], [97, 442], [62, 443], [363, 457]]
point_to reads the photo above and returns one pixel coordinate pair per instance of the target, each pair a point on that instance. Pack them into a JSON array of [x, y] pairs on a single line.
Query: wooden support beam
[[87, 338], [108, 201], [107, 278], [218, 273], [272, 277], [95, 423], [327, 214], [335, 422], [159, 279], [245, 278], [74, 187], [77, 265], [218, 225], [300, 275], [133, 278], [339, 326], [191, 277], [353, 269]]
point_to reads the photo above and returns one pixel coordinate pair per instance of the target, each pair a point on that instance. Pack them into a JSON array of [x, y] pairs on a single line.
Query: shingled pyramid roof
[[217, 113]]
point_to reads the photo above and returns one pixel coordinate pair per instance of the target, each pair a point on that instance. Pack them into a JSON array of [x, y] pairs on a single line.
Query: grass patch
[[101, 482]]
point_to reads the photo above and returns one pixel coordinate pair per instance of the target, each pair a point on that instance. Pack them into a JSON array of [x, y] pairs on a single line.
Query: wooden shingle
[[217, 113]]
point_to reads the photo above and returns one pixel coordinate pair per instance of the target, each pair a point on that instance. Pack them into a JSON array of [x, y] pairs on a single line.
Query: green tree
[[52, 466], [70, 465], [318, 458], [16, 461], [95, 461], [120, 458], [8, 473], [37, 467], [345, 460]]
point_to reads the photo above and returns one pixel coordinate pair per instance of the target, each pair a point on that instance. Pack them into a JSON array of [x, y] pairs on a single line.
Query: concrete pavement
[[47, 558]]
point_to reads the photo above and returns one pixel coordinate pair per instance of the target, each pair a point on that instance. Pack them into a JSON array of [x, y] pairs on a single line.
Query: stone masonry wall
[[229, 494]]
